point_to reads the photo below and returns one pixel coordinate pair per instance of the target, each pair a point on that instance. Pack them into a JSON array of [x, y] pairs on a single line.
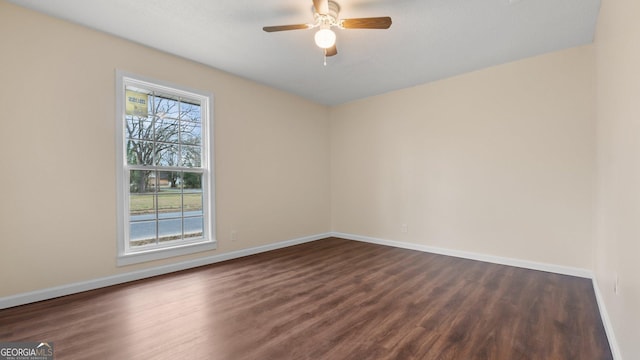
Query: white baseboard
[[54, 292], [565, 270], [606, 321]]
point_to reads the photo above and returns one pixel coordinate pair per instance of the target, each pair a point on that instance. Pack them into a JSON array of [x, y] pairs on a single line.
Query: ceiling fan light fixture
[[326, 17], [325, 38]]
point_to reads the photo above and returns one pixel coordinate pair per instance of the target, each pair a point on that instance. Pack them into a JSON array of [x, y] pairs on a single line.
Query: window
[[165, 205]]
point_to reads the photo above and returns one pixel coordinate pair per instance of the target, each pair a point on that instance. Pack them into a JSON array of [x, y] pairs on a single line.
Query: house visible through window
[[165, 206]]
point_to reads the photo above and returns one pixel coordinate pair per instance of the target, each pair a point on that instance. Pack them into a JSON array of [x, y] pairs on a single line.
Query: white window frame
[[126, 255]]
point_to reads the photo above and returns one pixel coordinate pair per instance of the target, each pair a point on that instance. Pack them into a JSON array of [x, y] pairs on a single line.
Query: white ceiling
[[429, 39]]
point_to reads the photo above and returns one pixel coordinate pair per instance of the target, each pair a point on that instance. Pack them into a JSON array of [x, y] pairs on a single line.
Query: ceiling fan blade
[[321, 6], [367, 23], [286, 27], [331, 51]]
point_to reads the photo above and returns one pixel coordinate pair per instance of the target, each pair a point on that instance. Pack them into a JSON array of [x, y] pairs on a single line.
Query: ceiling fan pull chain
[[325, 57]]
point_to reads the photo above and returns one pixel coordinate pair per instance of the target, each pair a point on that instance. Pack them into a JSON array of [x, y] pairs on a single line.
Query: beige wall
[[618, 223], [499, 161], [57, 126]]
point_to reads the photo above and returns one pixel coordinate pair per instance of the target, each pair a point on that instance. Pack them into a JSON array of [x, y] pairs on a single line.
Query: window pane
[[142, 233], [141, 181], [193, 227], [172, 181], [192, 202], [192, 181], [165, 107], [142, 206], [170, 202], [191, 156], [136, 102], [168, 154], [170, 229], [139, 128], [139, 152], [167, 130], [190, 133], [190, 112]]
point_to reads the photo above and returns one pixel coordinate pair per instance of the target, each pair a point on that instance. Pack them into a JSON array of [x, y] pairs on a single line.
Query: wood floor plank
[[328, 299]]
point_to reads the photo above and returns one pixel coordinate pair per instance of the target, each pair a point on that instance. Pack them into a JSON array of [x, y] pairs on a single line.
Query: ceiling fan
[[325, 17]]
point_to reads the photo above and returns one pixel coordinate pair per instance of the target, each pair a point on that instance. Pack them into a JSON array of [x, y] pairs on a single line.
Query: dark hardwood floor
[[329, 299]]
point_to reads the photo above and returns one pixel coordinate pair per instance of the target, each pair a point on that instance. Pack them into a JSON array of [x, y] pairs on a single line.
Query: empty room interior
[[446, 180]]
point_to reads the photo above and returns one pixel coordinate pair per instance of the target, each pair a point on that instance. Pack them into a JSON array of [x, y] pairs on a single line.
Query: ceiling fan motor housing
[[334, 9], [331, 17]]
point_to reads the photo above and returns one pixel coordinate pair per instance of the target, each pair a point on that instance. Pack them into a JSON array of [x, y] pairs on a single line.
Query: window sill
[[164, 253]]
